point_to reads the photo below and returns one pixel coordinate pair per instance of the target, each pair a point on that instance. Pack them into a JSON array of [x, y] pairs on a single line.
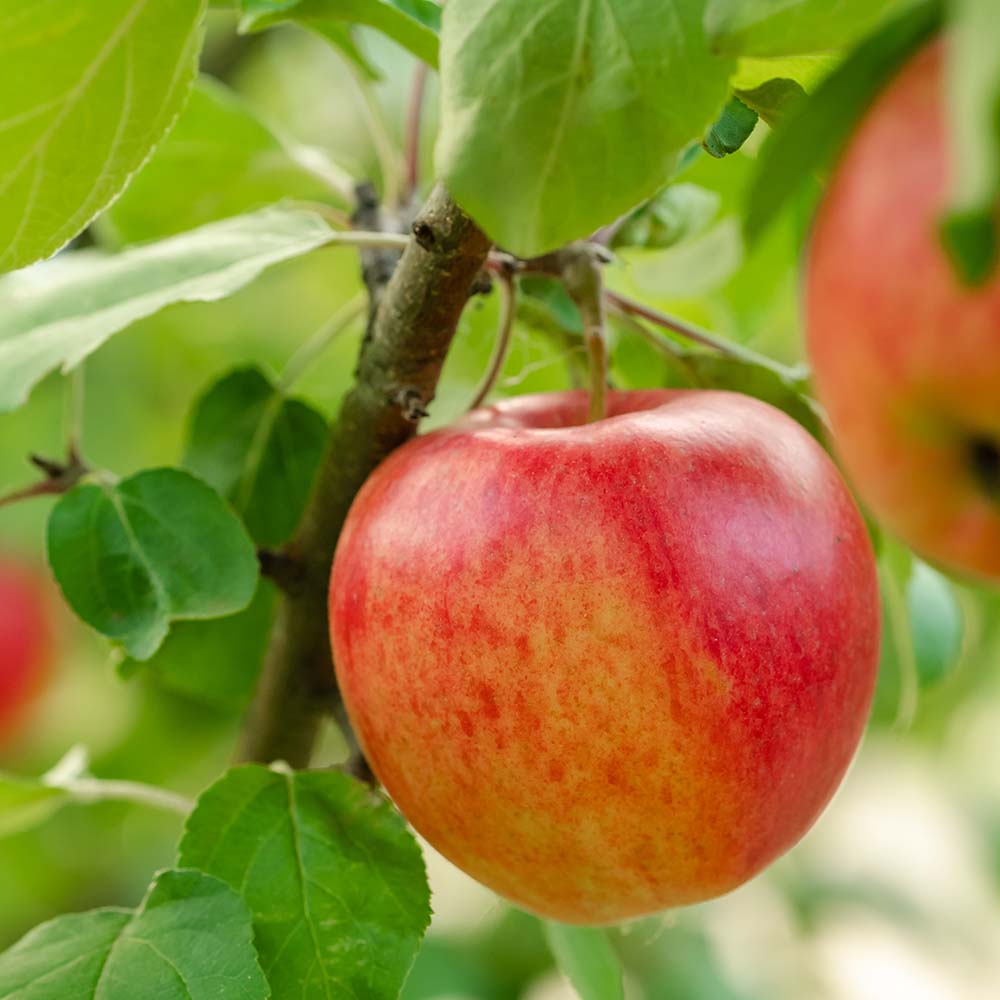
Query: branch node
[[60, 477], [411, 403], [424, 234], [482, 284], [51, 468]]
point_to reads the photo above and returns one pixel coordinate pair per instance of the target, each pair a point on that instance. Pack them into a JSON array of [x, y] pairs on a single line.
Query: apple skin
[[25, 643], [608, 668], [906, 359]]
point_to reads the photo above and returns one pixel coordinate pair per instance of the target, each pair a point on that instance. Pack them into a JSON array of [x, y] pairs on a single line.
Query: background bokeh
[[895, 893]]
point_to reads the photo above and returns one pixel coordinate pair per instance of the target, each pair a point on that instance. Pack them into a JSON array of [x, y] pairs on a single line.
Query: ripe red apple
[[906, 359], [608, 668], [25, 642]]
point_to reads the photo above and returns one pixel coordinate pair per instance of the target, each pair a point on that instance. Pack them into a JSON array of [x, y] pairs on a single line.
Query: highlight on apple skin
[[906, 359], [608, 668], [25, 643]]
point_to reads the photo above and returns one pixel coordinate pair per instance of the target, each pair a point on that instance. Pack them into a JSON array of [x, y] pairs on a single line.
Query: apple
[[907, 359], [25, 643], [614, 667]]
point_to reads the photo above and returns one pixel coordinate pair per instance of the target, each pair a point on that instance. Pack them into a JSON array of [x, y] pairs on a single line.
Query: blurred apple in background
[[906, 358], [615, 667], [26, 642]]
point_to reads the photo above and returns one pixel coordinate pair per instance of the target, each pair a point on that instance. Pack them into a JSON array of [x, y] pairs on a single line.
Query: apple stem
[[508, 308], [598, 354], [584, 280]]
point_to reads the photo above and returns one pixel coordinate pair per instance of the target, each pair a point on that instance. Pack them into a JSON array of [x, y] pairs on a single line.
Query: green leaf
[[774, 100], [807, 71], [970, 241], [679, 212], [89, 89], [57, 313], [335, 882], [790, 27], [922, 632], [587, 959], [693, 266], [813, 136], [341, 35], [25, 803], [414, 24], [715, 371], [551, 295], [215, 662], [775, 88], [935, 622], [134, 556], [557, 118], [190, 939], [220, 160], [731, 129], [259, 449], [969, 229]]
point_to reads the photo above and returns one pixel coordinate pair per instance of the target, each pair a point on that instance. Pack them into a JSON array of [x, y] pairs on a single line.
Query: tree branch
[[60, 477], [396, 377]]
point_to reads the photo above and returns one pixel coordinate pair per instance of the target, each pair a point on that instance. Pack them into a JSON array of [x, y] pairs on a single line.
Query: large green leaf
[[814, 134], [215, 662], [559, 117], [335, 882], [88, 90], [807, 71], [786, 393], [191, 939], [134, 555], [587, 959], [258, 448], [57, 313], [414, 24], [790, 27], [970, 229], [219, 160], [775, 88]]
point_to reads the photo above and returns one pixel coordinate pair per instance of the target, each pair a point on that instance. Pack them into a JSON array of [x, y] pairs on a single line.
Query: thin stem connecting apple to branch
[[584, 280]]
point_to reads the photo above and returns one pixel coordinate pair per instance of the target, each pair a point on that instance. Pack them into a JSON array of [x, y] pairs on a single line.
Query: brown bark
[[398, 370]]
